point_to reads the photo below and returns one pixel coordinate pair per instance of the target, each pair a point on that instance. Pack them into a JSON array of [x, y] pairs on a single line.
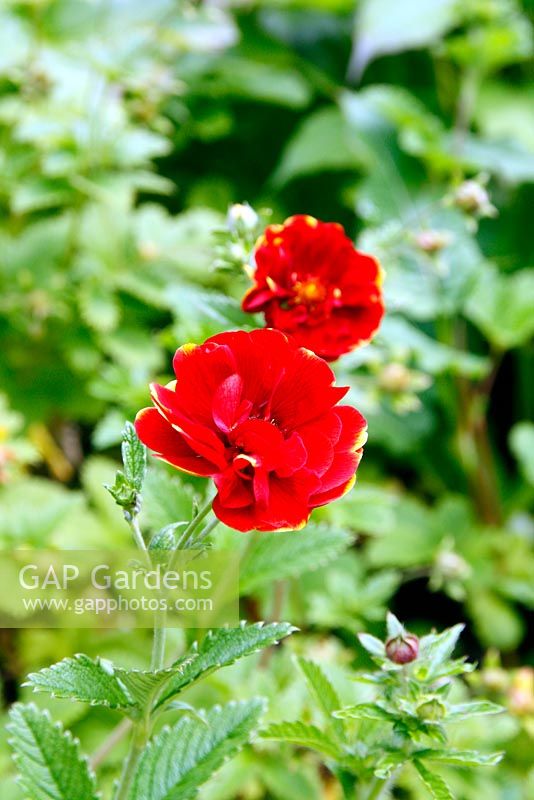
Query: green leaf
[[365, 711], [319, 145], [288, 554], [461, 758], [436, 648], [475, 709], [394, 626], [134, 457], [324, 693], [166, 499], [220, 648], [180, 759], [48, 758], [373, 645], [496, 621], [433, 782], [387, 26], [100, 683], [302, 735], [501, 306], [522, 445]]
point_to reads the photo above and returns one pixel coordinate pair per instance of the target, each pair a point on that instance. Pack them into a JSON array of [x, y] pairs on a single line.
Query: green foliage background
[[126, 130]]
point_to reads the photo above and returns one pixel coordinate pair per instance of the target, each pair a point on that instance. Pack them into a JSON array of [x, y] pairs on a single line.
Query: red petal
[[198, 436], [199, 371], [305, 392], [228, 408], [158, 434], [234, 492]]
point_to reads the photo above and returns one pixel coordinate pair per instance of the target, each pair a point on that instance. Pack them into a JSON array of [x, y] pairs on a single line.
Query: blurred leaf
[[496, 621], [324, 694], [522, 445], [302, 735], [433, 782], [165, 499], [318, 145], [461, 758], [288, 554], [501, 306], [477, 708], [387, 26]]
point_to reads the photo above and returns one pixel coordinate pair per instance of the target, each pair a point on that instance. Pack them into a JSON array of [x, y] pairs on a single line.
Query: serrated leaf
[[324, 693], [134, 457], [303, 735], [461, 758], [288, 554], [98, 682], [220, 648], [433, 782], [48, 758], [180, 759], [365, 711]]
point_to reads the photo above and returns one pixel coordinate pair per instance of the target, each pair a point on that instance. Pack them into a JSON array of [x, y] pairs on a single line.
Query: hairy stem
[[137, 745], [158, 643]]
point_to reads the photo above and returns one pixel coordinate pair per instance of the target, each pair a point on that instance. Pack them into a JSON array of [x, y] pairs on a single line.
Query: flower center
[[309, 292], [245, 465]]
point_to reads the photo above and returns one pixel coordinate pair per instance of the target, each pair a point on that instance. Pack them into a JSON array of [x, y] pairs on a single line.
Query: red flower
[[311, 282], [258, 415]]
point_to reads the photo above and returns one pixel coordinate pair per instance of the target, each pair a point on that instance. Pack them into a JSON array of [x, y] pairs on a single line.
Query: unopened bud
[[431, 241], [472, 197], [395, 377], [242, 218], [431, 710], [402, 649]]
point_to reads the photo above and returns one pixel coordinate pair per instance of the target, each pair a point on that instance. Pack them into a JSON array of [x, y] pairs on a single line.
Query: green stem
[[141, 729], [378, 787], [137, 533], [188, 532], [158, 642], [137, 745]]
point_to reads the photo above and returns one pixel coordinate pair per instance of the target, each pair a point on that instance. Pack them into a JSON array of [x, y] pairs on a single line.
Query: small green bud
[[431, 710]]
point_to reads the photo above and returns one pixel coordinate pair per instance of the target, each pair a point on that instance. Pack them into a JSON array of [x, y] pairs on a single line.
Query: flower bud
[[402, 649], [431, 710], [242, 219], [432, 241], [395, 377], [472, 197]]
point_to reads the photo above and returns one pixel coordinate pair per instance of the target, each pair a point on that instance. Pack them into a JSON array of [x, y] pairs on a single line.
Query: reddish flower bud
[[402, 649]]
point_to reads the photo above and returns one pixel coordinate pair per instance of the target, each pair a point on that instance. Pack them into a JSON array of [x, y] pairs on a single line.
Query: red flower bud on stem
[[402, 649]]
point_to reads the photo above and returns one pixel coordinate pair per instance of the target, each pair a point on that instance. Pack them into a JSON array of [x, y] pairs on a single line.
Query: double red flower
[[312, 283], [259, 415]]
